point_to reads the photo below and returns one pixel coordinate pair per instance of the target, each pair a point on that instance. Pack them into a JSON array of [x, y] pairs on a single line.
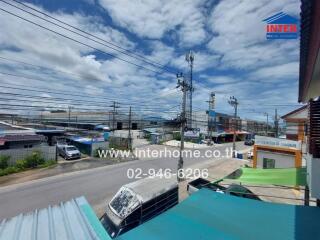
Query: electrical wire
[[125, 51], [79, 42]]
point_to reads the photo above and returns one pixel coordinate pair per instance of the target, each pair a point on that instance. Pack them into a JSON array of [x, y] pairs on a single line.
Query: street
[[97, 185]]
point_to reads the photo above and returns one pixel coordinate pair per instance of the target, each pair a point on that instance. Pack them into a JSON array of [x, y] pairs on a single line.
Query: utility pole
[[69, 115], [190, 59], [210, 113], [276, 123], [114, 106], [267, 128], [234, 103], [184, 88], [129, 132]]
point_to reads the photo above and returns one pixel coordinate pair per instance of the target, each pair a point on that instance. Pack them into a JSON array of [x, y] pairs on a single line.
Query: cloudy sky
[[232, 55]]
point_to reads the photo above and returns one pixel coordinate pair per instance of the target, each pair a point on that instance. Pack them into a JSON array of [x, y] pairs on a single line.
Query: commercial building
[[18, 142], [16, 137], [90, 119], [296, 123], [276, 153]]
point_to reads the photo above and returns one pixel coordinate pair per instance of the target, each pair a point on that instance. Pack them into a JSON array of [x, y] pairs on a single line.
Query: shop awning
[[210, 215], [279, 176]]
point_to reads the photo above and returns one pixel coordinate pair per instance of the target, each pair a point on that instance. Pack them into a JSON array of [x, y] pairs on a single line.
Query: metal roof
[[21, 138], [210, 215], [71, 220]]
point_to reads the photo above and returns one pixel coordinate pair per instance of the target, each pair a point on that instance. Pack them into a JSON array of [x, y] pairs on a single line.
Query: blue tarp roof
[[86, 140], [210, 215]]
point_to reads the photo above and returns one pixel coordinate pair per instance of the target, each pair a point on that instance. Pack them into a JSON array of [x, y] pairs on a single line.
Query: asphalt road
[[97, 185]]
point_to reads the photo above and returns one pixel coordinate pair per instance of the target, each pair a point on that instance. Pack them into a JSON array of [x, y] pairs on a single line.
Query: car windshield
[[71, 149], [124, 202]]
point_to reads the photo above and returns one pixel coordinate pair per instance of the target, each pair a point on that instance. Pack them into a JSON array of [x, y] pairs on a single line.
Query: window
[[71, 149], [268, 163]]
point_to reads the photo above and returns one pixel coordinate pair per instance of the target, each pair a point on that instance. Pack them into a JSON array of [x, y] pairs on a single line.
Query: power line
[[79, 42], [40, 90], [140, 57], [73, 86], [56, 99], [38, 66]]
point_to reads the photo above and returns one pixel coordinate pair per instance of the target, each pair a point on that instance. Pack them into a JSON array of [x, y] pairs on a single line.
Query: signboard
[[212, 113], [277, 142], [195, 133]]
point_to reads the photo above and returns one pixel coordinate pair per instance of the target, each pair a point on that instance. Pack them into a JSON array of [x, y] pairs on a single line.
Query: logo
[[281, 26]]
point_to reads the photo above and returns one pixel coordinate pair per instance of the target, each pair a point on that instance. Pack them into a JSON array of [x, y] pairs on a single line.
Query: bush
[[4, 161], [21, 164], [9, 170], [33, 160]]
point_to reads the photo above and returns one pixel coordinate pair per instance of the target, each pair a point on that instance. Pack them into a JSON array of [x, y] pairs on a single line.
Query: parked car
[[249, 142], [68, 152], [138, 202]]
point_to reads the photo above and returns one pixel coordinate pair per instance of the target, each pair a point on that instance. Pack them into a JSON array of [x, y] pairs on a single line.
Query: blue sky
[[232, 55]]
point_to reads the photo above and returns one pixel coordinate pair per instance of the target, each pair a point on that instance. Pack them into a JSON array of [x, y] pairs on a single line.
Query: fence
[[48, 153], [118, 142]]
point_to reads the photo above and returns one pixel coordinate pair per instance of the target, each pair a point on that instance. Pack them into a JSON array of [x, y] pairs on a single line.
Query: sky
[[232, 55]]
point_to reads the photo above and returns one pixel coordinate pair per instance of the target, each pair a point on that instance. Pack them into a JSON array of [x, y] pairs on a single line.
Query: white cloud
[[240, 33], [40, 47], [153, 19], [277, 73]]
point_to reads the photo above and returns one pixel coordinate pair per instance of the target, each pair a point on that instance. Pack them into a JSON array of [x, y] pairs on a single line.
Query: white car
[[68, 152]]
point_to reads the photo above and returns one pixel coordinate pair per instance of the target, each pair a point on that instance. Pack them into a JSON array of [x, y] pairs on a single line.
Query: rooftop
[[210, 215], [73, 219]]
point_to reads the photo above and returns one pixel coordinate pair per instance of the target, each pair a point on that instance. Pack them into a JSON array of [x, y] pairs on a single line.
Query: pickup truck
[[138, 202]]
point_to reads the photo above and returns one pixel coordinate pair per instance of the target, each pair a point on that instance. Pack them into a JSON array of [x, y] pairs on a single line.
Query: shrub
[[21, 164], [33, 160], [9, 170], [4, 161]]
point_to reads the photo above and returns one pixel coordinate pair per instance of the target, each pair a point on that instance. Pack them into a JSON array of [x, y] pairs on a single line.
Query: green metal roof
[[210, 215], [279, 176]]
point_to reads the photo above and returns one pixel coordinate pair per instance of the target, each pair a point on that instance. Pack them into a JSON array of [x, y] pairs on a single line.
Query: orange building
[[276, 153], [295, 123]]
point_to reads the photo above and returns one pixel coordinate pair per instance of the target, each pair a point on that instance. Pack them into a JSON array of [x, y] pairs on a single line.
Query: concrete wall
[[281, 160], [48, 152]]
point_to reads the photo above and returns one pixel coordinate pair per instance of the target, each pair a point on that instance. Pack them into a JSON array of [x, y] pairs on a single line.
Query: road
[[97, 185]]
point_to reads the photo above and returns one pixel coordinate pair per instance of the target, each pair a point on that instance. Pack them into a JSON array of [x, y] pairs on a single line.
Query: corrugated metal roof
[[71, 220], [210, 215]]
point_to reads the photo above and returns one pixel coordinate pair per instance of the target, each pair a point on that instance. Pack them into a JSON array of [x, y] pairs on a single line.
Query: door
[[268, 163]]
